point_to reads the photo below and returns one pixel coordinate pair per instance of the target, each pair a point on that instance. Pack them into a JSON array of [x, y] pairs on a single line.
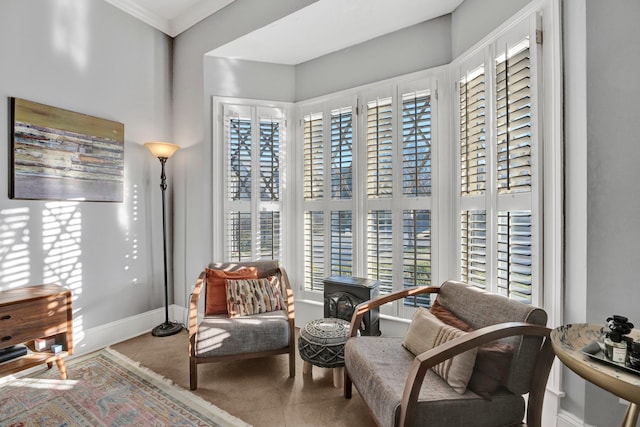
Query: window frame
[[359, 97]]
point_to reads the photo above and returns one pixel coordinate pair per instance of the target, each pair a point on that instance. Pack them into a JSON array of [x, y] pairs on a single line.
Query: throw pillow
[[425, 332], [216, 296], [252, 296], [492, 362]]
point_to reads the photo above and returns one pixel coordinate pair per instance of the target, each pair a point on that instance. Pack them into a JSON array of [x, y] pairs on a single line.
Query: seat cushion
[[379, 367], [221, 335]]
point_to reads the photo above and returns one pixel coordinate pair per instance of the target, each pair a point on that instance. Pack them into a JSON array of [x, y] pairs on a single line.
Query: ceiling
[[322, 27]]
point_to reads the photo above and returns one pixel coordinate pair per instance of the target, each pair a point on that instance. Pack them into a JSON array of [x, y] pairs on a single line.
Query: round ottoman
[[321, 343]]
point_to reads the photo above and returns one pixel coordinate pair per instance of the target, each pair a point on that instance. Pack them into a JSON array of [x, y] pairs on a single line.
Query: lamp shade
[[162, 149]]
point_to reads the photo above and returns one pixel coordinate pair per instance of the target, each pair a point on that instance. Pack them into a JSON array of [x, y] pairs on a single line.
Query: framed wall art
[[58, 154]]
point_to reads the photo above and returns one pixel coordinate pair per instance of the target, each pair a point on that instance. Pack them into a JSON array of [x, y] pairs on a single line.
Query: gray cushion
[[265, 268], [381, 366], [479, 309], [221, 335]]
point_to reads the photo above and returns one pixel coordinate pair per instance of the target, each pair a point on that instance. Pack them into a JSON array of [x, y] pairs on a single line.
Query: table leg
[[62, 368], [306, 367], [338, 375], [631, 416]]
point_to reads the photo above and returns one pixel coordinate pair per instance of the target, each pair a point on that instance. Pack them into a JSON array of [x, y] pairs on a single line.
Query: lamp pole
[[163, 152]]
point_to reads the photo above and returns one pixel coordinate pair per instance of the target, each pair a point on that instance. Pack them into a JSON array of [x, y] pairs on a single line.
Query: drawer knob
[[7, 338], [5, 317]]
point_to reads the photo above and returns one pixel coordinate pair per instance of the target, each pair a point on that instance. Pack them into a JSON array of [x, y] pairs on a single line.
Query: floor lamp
[[164, 150]]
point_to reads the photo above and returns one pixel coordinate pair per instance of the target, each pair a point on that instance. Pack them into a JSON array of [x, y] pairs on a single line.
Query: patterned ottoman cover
[[322, 341]]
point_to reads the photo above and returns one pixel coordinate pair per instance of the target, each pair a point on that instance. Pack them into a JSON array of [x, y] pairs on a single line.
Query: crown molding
[[171, 27], [195, 14], [143, 14]]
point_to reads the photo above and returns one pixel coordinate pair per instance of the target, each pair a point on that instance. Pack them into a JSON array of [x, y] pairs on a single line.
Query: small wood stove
[[343, 293]]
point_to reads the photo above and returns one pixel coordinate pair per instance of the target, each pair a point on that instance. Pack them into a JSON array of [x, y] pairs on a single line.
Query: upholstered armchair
[[215, 335], [453, 341]]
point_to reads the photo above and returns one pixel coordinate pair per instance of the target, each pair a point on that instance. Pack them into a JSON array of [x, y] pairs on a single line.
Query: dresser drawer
[[28, 320]]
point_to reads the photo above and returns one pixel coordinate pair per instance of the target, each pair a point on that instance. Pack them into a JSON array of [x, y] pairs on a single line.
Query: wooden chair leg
[[348, 385], [193, 373], [292, 362]]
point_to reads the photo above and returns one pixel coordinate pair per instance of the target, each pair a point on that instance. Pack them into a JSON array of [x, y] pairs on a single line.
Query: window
[[253, 138], [376, 220], [498, 137]]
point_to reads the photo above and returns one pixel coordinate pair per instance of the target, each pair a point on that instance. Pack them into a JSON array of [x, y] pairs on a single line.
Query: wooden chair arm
[[430, 358], [193, 309], [365, 306], [288, 291]]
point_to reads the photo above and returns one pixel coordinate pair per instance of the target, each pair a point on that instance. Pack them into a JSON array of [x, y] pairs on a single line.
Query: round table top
[[331, 329], [568, 342]]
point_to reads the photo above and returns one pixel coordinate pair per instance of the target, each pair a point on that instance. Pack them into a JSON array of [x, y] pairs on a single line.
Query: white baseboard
[[93, 339], [567, 419]]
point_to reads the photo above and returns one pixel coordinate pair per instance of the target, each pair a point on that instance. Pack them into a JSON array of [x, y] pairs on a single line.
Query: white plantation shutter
[[472, 134], [513, 115], [314, 250], [498, 139], [416, 144], [416, 256], [341, 243], [380, 248], [313, 156], [474, 248], [253, 137], [514, 255], [342, 153], [379, 148]]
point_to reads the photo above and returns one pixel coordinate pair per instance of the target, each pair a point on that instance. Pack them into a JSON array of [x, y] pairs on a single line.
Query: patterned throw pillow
[[425, 332], [253, 296], [216, 297]]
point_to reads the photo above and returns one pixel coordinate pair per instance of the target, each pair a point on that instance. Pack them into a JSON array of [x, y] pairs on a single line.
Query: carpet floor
[[258, 391], [104, 388]]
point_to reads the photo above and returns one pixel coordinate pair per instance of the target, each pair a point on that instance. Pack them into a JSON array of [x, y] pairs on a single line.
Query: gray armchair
[[220, 337], [401, 389]]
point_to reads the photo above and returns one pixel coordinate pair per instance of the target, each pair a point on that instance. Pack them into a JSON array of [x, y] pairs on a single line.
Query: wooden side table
[[33, 312], [569, 340]]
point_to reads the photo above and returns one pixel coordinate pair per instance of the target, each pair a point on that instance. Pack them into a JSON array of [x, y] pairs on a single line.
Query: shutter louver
[[239, 240], [239, 160], [416, 144], [313, 157], [474, 248], [342, 153], [341, 243], [416, 256], [380, 249], [314, 260], [379, 148], [269, 235], [473, 162], [269, 160], [513, 109], [514, 255]]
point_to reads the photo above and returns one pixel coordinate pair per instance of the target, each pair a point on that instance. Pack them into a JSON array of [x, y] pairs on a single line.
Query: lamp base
[[166, 329]]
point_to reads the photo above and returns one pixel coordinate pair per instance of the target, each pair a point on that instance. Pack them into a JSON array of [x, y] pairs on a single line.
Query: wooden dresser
[[33, 312]]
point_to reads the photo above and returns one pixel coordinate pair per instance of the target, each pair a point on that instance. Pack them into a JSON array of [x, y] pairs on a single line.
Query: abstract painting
[[58, 154]]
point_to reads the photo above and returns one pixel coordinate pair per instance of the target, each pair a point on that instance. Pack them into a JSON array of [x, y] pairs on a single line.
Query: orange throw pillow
[[216, 297]]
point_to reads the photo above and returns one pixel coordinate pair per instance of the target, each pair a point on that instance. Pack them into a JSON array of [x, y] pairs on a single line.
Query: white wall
[[89, 57]]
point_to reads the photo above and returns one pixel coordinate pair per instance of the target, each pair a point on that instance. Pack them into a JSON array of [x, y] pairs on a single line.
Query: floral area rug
[[105, 388]]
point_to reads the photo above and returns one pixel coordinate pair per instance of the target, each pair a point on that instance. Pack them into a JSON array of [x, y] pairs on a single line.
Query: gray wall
[[419, 47], [89, 57], [613, 198], [474, 19]]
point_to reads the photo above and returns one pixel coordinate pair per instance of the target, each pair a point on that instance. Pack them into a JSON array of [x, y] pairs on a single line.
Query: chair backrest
[[479, 309], [265, 268]]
